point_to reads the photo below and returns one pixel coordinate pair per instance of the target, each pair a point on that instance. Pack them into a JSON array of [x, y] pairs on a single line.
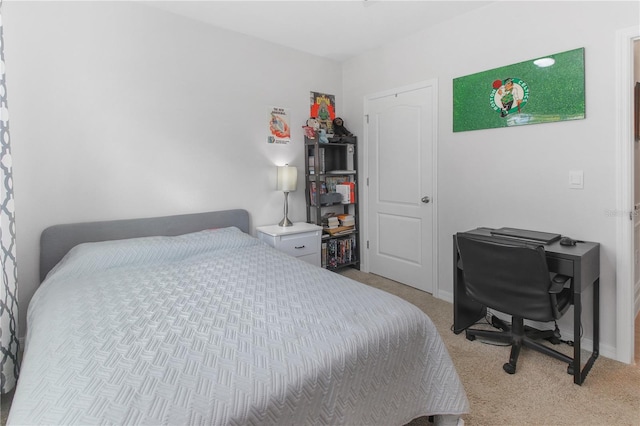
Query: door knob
[[425, 199]]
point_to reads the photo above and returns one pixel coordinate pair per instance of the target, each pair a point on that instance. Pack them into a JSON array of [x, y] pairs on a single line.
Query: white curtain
[[9, 345]]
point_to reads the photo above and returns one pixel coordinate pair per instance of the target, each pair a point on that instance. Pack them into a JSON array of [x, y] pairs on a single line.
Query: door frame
[[625, 283], [364, 213]]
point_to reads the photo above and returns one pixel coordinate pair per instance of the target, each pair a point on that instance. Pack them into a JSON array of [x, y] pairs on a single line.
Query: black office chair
[[513, 278]]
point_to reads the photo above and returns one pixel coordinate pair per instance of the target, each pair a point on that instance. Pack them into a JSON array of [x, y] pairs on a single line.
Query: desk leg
[[596, 317], [596, 332], [580, 375], [577, 317]]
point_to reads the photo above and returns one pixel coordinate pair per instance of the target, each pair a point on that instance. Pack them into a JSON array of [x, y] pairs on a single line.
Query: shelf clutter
[[333, 190], [338, 224], [332, 197]]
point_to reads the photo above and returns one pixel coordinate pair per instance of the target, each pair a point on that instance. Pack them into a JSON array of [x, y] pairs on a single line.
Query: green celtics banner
[[541, 90]]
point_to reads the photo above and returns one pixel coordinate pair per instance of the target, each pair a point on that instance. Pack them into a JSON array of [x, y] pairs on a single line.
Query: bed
[[190, 320]]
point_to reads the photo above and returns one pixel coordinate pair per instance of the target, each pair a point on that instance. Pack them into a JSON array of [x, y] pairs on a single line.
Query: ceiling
[[337, 30]]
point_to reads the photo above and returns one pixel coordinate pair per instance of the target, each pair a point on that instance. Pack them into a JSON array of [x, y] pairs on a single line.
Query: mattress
[[218, 328]]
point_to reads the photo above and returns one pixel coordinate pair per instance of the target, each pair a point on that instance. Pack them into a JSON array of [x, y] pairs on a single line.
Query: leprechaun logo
[[509, 96]]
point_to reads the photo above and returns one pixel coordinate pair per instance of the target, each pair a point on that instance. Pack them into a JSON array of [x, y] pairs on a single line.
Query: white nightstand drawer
[[302, 240], [298, 245]]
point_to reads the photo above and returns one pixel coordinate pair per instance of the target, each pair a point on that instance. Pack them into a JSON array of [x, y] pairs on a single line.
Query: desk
[[581, 262]]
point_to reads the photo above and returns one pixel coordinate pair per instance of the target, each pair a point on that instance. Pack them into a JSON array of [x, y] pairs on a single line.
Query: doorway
[[400, 143], [626, 290], [636, 196]]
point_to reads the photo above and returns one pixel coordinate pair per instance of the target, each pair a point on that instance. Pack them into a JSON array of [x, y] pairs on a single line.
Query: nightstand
[[302, 240]]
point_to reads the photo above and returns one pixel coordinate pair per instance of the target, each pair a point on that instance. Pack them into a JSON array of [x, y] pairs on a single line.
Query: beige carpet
[[541, 392]]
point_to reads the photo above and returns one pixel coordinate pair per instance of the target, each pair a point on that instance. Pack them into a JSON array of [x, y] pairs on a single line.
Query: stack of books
[[347, 220], [329, 221], [338, 224]]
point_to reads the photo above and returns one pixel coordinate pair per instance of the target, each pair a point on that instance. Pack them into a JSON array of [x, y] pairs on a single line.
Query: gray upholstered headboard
[[57, 240]]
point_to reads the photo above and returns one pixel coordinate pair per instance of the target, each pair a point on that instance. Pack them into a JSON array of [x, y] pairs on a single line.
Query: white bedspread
[[217, 328]]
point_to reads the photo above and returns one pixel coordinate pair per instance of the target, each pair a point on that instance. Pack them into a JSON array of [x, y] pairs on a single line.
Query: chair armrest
[[558, 283]]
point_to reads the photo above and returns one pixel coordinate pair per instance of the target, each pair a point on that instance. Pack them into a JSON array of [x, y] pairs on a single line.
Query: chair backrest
[[510, 277]]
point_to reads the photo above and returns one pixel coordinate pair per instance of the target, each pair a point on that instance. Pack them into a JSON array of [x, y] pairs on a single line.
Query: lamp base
[[285, 222]]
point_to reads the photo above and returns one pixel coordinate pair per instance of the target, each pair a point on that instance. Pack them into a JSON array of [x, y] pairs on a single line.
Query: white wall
[[120, 110], [518, 176]]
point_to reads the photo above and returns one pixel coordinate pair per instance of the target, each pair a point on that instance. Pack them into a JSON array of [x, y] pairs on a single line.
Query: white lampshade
[[287, 178]]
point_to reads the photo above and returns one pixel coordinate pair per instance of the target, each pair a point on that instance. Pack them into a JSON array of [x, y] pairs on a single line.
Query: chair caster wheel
[[570, 369], [470, 337], [511, 369]]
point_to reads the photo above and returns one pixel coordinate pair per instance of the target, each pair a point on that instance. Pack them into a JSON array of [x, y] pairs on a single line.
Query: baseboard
[[445, 295]]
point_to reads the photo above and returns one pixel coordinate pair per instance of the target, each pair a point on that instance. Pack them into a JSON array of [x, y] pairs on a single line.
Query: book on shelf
[[332, 258], [341, 172], [330, 221], [348, 191], [352, 191], [323, 255], [347, 220], [340, 230]]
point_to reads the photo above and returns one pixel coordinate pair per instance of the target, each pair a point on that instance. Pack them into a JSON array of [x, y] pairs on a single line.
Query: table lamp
[[287, 181]]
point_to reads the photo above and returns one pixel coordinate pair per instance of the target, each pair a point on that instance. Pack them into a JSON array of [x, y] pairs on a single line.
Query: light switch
[[576, 179]]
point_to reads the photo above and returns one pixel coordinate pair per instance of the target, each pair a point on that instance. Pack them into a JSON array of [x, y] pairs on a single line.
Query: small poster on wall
[[323, 108], [542, 90], [279, 128]]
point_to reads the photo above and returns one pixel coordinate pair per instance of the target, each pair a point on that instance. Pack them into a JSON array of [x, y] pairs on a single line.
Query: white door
[[401, 137]]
